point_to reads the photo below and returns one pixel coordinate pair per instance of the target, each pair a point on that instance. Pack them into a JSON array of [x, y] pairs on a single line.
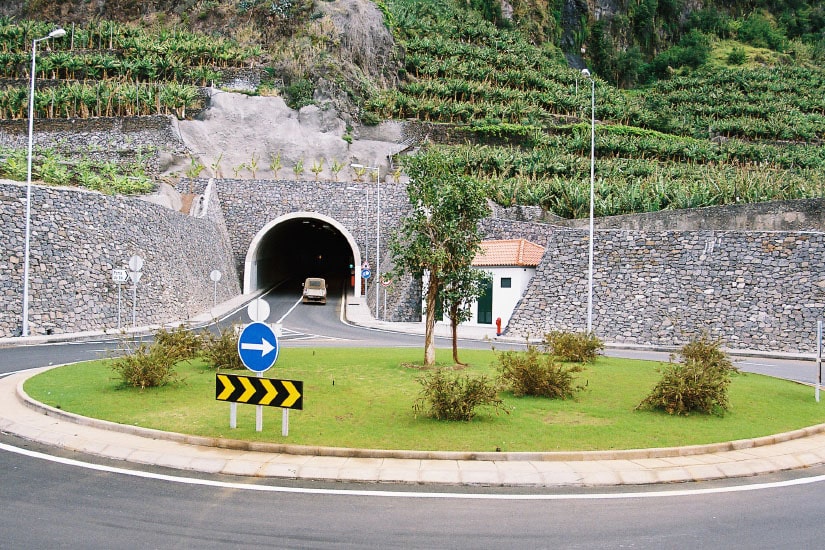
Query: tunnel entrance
[[299, 245]]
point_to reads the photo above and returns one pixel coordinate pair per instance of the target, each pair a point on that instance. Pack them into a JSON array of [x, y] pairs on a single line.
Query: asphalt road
[[82, 502]]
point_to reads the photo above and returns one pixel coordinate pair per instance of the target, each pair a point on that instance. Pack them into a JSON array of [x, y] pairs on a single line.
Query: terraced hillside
[[721, 117]]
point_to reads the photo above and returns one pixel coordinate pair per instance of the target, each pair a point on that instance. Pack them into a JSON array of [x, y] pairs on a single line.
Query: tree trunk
[[429, 327], [454, 330]]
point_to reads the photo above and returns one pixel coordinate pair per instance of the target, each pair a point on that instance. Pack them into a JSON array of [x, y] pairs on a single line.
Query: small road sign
[[253, 390], [258, 347], [366, 273], [258, 310], [119, 276]]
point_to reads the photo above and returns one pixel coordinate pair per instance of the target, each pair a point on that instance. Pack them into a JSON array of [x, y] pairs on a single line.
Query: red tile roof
[[511, 252]]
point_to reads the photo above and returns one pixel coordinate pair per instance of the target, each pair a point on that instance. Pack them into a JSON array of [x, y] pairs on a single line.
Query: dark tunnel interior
[[303, 247]]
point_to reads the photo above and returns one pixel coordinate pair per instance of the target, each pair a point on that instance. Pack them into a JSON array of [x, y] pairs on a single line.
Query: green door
[[485, 304]]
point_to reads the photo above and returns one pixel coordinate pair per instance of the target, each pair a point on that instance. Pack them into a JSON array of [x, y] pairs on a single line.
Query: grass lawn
[[364, 397]]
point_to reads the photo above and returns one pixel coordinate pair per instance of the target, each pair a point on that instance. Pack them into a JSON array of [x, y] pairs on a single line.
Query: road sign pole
[[259, 413], [818, 358], [285, 422], [118, 306], [134, 303], [233, 415]]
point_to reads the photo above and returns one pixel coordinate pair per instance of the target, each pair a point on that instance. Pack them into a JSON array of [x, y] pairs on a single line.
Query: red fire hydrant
[[498, 326]]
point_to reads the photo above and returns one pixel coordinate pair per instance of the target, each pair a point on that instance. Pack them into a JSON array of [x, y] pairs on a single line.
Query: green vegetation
[[701, 135], [695, 108], [698, 383], [53, 168], [573, 347], [456, 397], [537, 374], [364, 398]]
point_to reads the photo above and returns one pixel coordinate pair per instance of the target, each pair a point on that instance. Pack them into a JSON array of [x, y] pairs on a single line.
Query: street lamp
[[57, 33], [377, 173], [587, 75]]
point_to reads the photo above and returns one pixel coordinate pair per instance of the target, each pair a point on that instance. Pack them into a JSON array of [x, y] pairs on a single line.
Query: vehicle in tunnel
[[315, 290]]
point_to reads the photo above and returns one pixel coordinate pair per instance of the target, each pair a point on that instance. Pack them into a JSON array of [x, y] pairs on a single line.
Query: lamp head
[[57, 33], [585, 73]]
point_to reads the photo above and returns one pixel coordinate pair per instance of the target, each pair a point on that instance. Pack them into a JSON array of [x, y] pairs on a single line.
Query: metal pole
[[378, 243], [586, 73], [285, 422], [25, 330], [134, 303], [118, 305], [259, 413], [57, 33], [818, 358]]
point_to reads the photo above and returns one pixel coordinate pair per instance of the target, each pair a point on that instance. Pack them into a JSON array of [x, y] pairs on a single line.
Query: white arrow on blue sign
[[258, 347]]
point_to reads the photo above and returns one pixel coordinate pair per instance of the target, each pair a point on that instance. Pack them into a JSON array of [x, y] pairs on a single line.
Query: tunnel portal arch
[[299, 245]]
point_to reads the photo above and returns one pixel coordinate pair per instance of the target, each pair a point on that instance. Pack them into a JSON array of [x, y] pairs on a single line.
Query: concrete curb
[[344, 452]]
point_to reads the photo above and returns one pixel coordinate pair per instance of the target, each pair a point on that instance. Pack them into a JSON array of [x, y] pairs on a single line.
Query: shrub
[[737, 56], [699, 383], [180, 343], [221, 350], [456, 398], [534, 373], [146, 366], [574, 347]]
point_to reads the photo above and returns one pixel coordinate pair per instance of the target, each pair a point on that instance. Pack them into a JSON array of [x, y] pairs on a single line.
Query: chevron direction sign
[[287, 394]]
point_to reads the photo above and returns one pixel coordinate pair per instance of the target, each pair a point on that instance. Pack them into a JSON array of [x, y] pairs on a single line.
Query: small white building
[[511, 264]]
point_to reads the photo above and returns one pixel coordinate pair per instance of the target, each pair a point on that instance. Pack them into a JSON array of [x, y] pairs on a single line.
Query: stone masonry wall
[[112, 139], [753, 290], [78, 237], [249, 205]]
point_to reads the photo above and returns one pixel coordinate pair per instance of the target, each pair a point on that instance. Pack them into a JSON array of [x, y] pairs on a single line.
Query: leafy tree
[[461, 287], [440, 236]]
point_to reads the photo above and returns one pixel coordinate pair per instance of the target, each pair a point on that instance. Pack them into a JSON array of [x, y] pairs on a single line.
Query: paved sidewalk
[[23, 417]]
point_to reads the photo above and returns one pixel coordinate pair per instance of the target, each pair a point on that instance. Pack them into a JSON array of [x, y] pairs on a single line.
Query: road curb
[[344, 452]]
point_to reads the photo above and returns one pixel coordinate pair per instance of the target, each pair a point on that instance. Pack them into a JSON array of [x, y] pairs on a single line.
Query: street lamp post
[[377, 269], [57, 33], [587, 75]]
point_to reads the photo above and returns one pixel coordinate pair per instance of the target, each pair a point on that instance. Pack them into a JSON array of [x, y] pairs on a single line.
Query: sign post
[[119, 276], [135, 265], [215, 275], [818, 357]]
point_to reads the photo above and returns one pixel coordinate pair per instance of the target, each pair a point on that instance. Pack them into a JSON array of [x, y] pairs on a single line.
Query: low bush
[[180, 343], [699, 383], [146, 366], [221, 350], [573, 347], [446, 397], [538, 374]]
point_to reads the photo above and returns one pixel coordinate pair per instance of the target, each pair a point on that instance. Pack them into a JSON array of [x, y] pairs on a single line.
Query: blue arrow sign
[[366, 273], [258, 347]]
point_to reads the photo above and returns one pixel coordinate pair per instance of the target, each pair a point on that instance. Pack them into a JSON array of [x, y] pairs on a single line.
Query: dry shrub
[[573, 347], [538, 374]]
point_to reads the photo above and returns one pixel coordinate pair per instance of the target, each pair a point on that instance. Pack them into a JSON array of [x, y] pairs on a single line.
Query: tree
[[440, 236], [461, 288]]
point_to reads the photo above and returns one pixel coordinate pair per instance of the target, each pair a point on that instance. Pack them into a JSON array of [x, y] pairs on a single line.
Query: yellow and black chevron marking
[[252, 390]]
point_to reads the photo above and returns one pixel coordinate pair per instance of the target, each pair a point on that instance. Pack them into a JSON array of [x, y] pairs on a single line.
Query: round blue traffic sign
[[366, 273], [258, 347]]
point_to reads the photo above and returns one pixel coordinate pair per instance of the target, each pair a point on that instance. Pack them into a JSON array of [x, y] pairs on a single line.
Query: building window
[[506, 282]]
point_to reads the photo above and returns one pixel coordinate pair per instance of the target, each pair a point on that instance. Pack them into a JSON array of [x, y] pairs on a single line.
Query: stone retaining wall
[[78, 237], [754, 290]]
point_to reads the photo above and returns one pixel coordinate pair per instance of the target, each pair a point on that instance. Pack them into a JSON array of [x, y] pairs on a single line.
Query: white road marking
[[410, 494]]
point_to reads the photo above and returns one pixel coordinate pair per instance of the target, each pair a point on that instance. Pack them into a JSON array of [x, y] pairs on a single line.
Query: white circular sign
[[258, 310], [135, 263], [215, 275]]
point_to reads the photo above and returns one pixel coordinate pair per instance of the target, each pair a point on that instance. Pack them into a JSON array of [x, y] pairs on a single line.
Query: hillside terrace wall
[[78, 237], [757, 290], [104, 138]]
